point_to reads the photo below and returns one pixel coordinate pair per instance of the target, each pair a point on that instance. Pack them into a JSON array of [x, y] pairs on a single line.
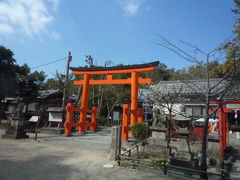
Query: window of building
[[189, 111], [197, 111]]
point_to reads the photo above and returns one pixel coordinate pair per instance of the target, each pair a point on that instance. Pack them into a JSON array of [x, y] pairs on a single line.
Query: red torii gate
[[227, 107], [134, 70]]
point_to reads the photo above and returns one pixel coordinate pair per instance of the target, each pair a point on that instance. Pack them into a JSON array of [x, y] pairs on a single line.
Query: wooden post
[[84, 104], [36, 128], [125, 122], [227, 133], [134, 99], [140, 114], [221, 145], [65, 85], [224, 130], [68, 123], [93, 125]]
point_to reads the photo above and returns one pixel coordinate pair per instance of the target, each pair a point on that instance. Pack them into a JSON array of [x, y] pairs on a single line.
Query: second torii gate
[[134, 70], [227, 107]]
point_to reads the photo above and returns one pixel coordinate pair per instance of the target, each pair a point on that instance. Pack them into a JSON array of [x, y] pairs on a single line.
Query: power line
[[49, 63]]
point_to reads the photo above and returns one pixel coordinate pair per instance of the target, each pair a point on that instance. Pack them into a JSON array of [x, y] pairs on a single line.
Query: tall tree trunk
[[169, 132], [100, 98], [205, 129], [78, 95]]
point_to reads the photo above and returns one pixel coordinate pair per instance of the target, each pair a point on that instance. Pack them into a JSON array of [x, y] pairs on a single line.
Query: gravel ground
[[59, 157]]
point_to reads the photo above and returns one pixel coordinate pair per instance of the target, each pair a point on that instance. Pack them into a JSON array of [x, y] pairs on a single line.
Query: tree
[[230, 80], [90, 62], [17, 80], [58, 83], [164, 100], [28, 84], [161, 73], [114, 94], [232, 47], [8, 68], [101, 90]]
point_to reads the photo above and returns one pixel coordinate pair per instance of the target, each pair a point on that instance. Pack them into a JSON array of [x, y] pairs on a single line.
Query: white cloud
[[130, 7], [6, 29], [56, 35], [29, 17]]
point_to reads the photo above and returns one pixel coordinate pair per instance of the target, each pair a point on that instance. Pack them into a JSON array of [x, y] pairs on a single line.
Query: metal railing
[[127, 159]]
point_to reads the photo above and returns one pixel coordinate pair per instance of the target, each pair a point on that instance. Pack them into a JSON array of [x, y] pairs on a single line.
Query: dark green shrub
[[193, 137], [139, 131], [212, 162], [102, 121]]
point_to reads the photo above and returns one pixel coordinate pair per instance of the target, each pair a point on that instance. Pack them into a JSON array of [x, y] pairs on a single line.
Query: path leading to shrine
[[60, 157]]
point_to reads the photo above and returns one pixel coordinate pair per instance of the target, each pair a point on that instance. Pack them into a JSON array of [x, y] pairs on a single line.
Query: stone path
[[66, 158], [234, 173]]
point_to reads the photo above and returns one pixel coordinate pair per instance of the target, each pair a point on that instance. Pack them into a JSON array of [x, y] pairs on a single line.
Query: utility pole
[[65, 85]]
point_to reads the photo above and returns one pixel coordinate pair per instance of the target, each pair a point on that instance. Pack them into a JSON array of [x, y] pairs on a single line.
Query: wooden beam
[[115, 71], [113, 81]]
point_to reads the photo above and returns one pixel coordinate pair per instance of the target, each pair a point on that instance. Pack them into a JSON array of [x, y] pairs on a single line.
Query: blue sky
[[123, 31]]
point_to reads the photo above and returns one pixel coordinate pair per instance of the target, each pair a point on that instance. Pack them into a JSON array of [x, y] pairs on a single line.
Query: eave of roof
[[135, 66]]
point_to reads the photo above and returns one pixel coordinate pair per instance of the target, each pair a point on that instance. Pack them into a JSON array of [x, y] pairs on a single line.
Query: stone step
[[10, 132], [6, 136], [156, 149], [52, 130], [235, 176], [157, 141]]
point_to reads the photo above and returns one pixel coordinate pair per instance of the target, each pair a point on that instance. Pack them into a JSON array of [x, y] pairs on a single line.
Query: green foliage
[[6, 56], [139, 131], [212, 161], [232, 47], [28, 84], [193, 137], [161, 73], [160, 162], [102, 121], [8, 70], [17, 80]]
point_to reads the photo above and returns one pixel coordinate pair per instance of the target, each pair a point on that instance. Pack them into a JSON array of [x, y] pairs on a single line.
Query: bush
[[139, 131], [212, 162], [102, 121]]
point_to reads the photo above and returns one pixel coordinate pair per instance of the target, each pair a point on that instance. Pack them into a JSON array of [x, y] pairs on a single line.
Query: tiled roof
[[192, 89], [190, 86], [48, 93]]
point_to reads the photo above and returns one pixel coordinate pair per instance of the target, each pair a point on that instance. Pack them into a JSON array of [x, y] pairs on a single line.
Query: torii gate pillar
[[134, 99], [84, 104]]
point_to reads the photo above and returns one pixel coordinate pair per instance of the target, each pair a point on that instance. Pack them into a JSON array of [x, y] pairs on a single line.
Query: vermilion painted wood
[[125, 122], [140, 114], [68, 123], [115, 71], [113, 81], [221, 144], [93, 125], [134, 81], [84, 104], [134, 99]]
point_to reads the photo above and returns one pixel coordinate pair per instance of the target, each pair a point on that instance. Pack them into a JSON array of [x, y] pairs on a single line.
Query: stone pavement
[[234, 173]]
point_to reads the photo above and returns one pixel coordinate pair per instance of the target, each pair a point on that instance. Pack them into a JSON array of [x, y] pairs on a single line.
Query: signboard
[[33, 119], [115, 116], [55, 117], [233, 106]]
